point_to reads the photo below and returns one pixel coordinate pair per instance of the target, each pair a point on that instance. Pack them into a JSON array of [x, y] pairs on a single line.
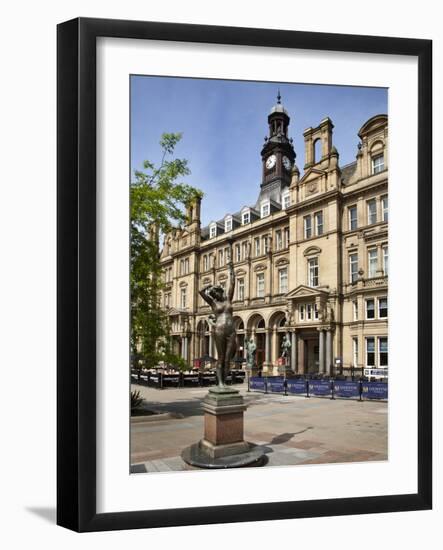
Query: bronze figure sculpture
[[223, 323]]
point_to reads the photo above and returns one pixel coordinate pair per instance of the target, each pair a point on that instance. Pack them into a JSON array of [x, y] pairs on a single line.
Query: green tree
[[158, 198]]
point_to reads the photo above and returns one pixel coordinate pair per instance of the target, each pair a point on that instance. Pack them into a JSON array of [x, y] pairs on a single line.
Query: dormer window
[[212, 230], [246, 217], [228, 224], [286, 200], [265, 209], [378, 163]]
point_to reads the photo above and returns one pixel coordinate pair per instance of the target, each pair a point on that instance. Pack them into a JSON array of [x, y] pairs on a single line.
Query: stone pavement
[[294, 429]]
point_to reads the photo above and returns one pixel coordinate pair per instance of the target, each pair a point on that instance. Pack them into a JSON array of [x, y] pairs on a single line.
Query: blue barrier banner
[[296, 386], [374, 390], [257, 383], [276, 384], [320, 387], [343, 388]]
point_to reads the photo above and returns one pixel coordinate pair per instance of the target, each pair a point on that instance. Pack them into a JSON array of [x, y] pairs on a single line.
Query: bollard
[[160, 380], [265, 378], [332, 389], [307, 388]]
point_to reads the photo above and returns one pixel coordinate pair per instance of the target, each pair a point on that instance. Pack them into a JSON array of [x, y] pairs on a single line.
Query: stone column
[[328, 351], [294, 344], [211, 344], [184, 347], [321, 354], [268, 346], [275, 354]]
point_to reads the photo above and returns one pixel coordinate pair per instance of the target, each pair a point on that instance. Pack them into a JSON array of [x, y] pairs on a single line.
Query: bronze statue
[[285, 347], [223, 323]]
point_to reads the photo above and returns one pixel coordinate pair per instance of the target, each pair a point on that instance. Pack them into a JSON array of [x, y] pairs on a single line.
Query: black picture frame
[[76, 294]]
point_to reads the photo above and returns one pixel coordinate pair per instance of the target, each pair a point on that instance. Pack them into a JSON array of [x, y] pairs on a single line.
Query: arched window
[[317, 150], [261, 323]]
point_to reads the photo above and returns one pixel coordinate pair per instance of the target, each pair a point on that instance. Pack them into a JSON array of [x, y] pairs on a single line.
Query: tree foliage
[[157, 199]]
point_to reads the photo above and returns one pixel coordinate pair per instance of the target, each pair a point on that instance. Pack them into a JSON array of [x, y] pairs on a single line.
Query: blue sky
[[224, 124]]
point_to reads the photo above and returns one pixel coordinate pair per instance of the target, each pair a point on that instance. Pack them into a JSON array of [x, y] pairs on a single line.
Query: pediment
[[303, 291], [282, 261], [311, 251], [312, 174], [174, 311]]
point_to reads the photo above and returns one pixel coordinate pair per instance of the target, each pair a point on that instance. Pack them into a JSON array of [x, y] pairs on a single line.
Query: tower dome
[[278, 107]]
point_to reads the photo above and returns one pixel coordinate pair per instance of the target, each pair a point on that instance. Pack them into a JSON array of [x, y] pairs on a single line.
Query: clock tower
[[278, 153]]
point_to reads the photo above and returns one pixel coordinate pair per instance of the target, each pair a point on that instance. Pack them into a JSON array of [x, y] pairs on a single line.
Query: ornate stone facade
[[310, 257]]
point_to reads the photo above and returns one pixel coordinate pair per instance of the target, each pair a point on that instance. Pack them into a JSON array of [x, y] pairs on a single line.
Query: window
[[212, 231], [383, 352], [317, 150], [205, 262], [166, 301], [240, 289], [286, 237], [228, 224], [378, 164], [382, 308], [286, 200], [384, 208], [257, 246], [301, 312], [266, 242], [316, 312], [309, 312], [318, 217], [278, 239], [260, 285], [183, 298], [370, 352], [283, 280], [221, 258], [244, 248], [353, 267], [313, 272], [237, 253], [372, 262], [307, 227], [184, 266], [370, 309], [355, 310], [265, 209], [385, 260], [352, 214], [372, 211], [355, 351], [246, 217]]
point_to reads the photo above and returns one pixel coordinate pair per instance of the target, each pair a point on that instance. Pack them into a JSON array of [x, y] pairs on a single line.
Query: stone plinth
[[223, 445]]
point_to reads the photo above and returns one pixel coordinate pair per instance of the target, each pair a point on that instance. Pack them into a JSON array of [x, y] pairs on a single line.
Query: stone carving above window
[[312, 251]]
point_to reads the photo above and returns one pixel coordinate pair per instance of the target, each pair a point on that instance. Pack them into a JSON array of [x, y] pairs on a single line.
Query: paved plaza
[[293, 429]]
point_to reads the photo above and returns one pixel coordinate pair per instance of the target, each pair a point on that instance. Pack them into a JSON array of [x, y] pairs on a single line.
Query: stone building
[[310, 256]]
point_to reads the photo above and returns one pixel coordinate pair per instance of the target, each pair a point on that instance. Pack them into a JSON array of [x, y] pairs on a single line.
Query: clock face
[[286, 163], [270, 163]]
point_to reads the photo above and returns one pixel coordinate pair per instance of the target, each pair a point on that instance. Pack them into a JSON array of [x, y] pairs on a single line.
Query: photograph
[[259, 332]]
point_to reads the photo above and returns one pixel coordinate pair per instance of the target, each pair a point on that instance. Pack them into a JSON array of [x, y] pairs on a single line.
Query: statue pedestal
[[223, 445]]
